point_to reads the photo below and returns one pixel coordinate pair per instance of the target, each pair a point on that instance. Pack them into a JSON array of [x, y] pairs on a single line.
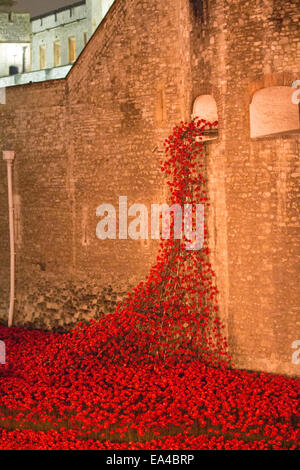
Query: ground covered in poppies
[[155, 374], [55, 398]]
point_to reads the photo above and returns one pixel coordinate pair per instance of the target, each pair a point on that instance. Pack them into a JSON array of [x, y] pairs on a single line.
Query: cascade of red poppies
[[152, 375], [174, 312]]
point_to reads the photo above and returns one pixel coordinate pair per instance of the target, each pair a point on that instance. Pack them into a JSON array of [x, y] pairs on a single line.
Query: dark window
[[197, 7], [13, 70]]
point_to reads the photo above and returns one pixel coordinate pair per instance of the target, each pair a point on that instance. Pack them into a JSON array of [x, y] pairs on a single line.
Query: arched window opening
[[205, 107], [42, 57], [72, 49], [272, 112], [56, 54]]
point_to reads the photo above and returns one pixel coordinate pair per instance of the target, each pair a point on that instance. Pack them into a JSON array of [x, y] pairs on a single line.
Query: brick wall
[[239, 48], [98, 134], [83, 142]]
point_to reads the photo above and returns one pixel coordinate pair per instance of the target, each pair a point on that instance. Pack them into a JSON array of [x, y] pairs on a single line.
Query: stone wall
[[78, 22], [14, 27], [83, 142], [240, 47], [98, 134], [58, 27]]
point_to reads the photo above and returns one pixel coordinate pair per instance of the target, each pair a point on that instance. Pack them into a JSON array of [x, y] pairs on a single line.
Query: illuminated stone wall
[[77, 22]]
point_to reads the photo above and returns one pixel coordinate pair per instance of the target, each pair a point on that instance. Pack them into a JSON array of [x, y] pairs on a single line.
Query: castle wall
[[14, 27], [240, 48], [83, 142], [97, 135], [58, 27], [96, 11], [77, 22]]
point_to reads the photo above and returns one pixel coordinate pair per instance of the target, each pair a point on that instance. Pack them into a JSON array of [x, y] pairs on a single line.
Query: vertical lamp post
[[8, 157]]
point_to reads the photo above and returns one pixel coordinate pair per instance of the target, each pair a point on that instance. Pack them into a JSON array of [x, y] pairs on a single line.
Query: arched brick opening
[[205, 107]]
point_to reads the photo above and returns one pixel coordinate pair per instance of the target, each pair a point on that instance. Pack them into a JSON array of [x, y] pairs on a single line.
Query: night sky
[[37, 7]]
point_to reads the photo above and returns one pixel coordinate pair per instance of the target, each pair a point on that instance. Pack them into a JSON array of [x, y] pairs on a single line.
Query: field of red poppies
[[56, 396], [155, 374]]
